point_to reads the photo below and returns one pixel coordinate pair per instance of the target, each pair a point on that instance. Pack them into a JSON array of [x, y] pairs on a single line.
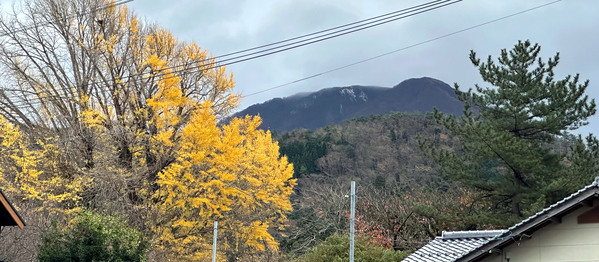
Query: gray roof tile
[[507, 234], [452, 245]]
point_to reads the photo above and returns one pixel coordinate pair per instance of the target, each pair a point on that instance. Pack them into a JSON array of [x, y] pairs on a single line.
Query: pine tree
[[508, 131]]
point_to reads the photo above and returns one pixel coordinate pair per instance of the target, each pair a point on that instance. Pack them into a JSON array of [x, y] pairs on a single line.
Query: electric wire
[[311, 40], [337, 31], [402, 49], [313, 37], [346, 29], [326, 30], [126, 1], [348, 65]]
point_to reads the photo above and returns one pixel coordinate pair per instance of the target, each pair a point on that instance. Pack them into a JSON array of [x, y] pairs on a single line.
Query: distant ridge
[[336, 104]]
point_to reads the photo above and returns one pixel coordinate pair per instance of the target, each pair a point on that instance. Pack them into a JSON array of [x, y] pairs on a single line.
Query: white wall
[[566, 241]]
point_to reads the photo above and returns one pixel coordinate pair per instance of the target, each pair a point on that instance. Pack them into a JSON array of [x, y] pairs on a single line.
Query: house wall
[[566, 241]]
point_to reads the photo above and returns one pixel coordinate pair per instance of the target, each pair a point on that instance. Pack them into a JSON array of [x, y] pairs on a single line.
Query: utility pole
[[214, 241], [352, 220]]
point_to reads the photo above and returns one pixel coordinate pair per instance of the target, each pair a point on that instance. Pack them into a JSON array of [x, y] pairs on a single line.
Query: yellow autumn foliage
[[27, 175], [233, 174], [121, 118]]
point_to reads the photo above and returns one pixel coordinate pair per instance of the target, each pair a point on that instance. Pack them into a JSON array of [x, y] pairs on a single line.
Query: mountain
[[334, 105]]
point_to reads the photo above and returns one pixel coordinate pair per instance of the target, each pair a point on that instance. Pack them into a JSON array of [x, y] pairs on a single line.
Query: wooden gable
[[8, 214]]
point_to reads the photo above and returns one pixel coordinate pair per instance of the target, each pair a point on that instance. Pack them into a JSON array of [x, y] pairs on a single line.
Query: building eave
[[14, 215], [527, 227]]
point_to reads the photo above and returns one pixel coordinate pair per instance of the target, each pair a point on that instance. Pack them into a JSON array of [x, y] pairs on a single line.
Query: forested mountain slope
[[381, 154], [365, 148], [403, 196], [509, 155]]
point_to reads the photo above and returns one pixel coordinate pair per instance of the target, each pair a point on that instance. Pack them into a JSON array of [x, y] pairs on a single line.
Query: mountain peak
[[336, 104], [422, 81], [425, 86]]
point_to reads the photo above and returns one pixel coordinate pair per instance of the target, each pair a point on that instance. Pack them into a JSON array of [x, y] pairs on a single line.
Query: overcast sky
[[570, 27]]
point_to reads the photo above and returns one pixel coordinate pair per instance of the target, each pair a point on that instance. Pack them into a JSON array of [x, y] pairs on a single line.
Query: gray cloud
[[569, 27]]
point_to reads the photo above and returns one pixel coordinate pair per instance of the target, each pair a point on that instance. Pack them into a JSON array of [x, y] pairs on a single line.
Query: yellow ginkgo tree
[[231, 173], [26, 173], [122, 119]]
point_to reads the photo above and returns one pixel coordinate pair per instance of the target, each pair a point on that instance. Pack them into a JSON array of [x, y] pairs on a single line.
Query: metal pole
[[214, 241], [352, 220]]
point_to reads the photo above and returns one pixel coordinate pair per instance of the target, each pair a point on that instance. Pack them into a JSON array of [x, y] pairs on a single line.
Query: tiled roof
[[594, 185], [539, 217], [467, 245], [452, 245]]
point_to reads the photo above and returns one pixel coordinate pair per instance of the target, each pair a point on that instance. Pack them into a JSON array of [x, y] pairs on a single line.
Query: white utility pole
[[352, 220], [214, 241]]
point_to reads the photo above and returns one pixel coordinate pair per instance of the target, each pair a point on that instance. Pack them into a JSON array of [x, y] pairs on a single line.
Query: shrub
[[93, 237], [336, 249]]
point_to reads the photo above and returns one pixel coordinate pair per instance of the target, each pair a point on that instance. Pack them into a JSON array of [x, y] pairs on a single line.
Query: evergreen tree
[[508, 131], [93, 237]]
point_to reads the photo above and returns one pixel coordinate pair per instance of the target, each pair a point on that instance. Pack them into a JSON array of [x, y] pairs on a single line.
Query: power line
[[372, 22], [326, 30], [311, 38], [397, 15], [330, 33], [296, 44], [360, 61], [402, 49]]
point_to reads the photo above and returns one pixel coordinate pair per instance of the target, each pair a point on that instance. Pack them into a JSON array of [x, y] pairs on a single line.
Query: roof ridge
[[509, 232], [464, 245], [471, 234]]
